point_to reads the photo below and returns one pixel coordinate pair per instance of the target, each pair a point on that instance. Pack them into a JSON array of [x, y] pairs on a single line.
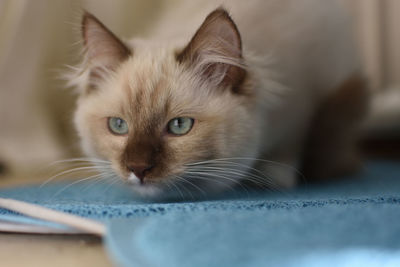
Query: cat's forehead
[[152, 82], [154, 88]]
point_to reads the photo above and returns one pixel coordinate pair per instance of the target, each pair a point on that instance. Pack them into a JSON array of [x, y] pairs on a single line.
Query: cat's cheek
[[120, 171], [109, 146], [96, 139], [84, 133]]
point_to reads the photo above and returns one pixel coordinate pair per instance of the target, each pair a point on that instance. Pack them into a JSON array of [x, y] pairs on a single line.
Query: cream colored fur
[[294, 51]]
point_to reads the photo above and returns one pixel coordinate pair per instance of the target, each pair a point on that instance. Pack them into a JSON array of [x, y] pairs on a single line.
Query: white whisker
[[86, 168], [75, 182], [179, 191], [252, 159], [192, 184], [114, 180], [263, 178], [263, 181], [199, 177], [218, 176]]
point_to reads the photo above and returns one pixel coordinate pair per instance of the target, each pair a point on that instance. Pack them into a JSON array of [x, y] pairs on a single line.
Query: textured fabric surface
[[354, 222]]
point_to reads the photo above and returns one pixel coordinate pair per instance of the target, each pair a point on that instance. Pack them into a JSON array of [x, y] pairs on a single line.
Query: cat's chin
[[178, 191], [147, 191], [158, 194]]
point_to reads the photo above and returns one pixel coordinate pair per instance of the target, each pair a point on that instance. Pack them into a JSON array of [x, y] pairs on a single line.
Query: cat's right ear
[[104, 51]]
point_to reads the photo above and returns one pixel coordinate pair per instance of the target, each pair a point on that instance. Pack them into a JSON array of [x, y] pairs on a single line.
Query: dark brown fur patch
[[331, 149], [147, 149], [146, 143]]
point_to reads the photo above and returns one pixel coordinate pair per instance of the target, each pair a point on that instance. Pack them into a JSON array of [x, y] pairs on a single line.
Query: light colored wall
[[378, 30]]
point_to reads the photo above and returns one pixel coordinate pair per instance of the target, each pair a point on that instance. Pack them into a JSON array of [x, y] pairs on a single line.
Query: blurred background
[[39, 38]]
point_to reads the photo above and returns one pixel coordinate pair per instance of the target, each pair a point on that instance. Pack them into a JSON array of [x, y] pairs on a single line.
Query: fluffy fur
[[252, 79]]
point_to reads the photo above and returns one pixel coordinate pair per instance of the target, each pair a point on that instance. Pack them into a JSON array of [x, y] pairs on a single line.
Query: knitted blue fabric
[[354, 222]]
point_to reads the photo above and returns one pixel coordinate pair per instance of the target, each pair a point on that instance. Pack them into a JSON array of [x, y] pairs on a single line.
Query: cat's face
[[160, 114]]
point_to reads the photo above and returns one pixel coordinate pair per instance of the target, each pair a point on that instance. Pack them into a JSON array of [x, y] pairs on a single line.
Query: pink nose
[[140, 170]]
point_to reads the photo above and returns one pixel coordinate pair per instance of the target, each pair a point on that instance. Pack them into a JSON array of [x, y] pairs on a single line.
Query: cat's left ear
[[104, 51], [215, 52]]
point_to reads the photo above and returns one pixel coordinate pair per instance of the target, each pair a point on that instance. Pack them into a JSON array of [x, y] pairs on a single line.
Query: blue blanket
[[354, 222]]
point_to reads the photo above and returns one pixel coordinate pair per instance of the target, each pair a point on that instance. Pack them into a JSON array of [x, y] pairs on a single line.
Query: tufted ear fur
[[216, 51], [104, 51]]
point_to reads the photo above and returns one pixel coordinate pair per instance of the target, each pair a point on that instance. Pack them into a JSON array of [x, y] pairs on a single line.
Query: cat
[[223, 94]]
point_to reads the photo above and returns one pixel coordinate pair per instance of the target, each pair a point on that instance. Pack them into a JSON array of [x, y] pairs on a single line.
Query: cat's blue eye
[[180, 125], [117, 126]]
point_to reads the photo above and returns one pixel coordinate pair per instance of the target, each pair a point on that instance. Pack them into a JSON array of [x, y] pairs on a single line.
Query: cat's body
[[251, 90]]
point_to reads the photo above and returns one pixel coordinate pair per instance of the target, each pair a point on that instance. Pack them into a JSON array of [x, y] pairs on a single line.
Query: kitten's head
[[168, 117]]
